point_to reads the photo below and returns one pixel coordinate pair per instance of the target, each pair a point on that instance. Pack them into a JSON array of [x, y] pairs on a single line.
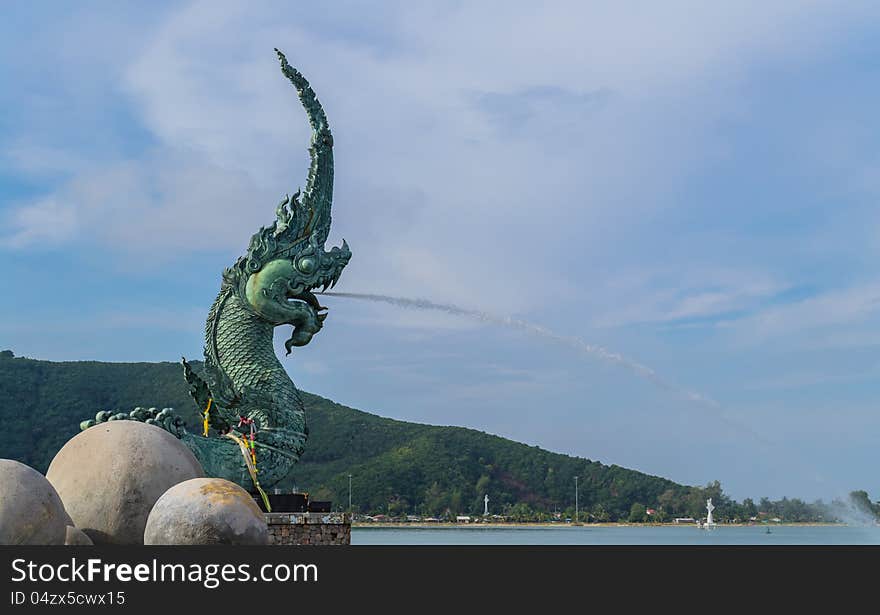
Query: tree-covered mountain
[[397, 467]]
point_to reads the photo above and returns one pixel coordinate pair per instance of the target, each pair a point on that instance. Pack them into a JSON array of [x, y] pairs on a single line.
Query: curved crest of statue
[[254, 420]]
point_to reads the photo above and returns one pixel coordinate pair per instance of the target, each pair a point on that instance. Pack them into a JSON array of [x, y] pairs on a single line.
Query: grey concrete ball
[[206, 511], [31, 511], [110, 476]]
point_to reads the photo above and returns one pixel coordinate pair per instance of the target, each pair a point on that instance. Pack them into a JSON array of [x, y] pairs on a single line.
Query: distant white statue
[[709, 509], [486, 505]]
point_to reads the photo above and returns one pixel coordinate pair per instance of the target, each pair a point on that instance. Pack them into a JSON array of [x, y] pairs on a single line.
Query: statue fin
[[318, 193], [198, 388]]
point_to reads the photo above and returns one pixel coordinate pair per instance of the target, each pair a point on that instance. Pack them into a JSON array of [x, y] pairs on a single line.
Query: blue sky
[[691, 185]]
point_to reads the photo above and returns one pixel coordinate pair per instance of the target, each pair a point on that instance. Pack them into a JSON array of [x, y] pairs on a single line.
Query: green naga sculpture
[[255, 414]]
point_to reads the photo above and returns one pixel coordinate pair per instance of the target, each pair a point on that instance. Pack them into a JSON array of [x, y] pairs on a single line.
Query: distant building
[[462, 519], [684, 520]]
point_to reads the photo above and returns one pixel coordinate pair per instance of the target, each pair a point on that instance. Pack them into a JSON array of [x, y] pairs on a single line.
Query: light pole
[[575, 499], [349, 494]]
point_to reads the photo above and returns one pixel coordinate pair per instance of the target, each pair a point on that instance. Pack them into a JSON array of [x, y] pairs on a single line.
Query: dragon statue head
[[287, 260]]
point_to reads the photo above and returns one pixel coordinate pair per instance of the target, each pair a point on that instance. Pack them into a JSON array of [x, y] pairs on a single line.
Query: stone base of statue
[[309, 528]]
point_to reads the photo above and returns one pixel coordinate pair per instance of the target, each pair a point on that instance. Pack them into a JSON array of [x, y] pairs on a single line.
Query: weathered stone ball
[[76, 537], [110, 475], [31, 512], [206, 511]]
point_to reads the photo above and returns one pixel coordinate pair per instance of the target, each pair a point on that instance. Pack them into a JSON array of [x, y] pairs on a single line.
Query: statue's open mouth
[[308, 297], [311, 300]]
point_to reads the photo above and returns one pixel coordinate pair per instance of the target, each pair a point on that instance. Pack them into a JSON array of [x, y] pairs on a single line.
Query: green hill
[[397, 467]]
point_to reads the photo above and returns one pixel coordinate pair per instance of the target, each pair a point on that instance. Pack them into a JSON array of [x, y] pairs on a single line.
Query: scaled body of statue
[[254, 417]]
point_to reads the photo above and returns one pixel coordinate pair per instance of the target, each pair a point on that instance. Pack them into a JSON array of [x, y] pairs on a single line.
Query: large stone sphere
[[31, 512], [76, 537], [110, 475], [206, 511]]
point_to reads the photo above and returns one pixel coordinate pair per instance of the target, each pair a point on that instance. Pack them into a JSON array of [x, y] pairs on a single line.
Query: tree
[[862, 503], [599, 514], [435, 500], [521, 512], [695, 503], [669, 501], [481, 489], [455, 502], [637, 513], [398, 506]]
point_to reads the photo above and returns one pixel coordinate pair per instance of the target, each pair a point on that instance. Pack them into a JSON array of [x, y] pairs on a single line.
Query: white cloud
[[695, 294], [798, 380], [45, 220], [408, 103], [37, 160], [826, 311]]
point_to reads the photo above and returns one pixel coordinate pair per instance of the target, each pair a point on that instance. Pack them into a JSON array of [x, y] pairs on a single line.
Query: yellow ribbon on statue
[[250, 459], [205, 414]]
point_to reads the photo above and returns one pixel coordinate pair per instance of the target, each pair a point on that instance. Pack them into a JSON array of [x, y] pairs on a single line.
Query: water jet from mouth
[[768, 446], [571, 341]]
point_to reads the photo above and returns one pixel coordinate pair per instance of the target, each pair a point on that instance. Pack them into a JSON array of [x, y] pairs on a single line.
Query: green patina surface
[[268, 287]]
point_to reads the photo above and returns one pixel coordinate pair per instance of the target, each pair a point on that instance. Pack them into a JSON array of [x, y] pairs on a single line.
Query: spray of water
[[848, 513], [571, 341]]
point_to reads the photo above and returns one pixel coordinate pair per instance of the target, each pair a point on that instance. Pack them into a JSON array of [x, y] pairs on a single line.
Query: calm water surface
[[586, 535]]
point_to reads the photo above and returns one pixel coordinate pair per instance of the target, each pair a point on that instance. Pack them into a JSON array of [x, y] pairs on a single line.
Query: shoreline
[[537, 525]]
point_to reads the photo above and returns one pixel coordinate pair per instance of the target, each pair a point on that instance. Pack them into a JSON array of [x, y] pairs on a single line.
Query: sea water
[[619, 535]]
